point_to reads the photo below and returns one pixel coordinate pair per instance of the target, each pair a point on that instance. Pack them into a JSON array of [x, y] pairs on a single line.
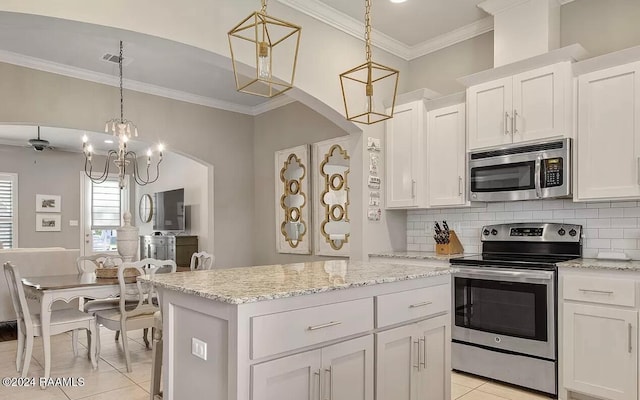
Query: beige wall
[[220, 138], [601, 26], [285, 127], [47, 172], [439, 70]]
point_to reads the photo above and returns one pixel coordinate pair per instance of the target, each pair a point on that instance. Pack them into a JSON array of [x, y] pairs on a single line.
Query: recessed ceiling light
[[109, 141], [398, 1]]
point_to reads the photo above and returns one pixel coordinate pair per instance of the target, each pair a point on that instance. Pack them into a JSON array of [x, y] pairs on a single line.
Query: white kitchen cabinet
[[343, 371], [410, 366], [446, 156], [528, 106], [404, 137], [598, 334], [295, 377], [608, 134], [347, 370], [599, 351]]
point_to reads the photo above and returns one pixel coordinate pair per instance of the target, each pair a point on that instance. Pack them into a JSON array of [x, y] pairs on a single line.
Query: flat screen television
[[168, 210]]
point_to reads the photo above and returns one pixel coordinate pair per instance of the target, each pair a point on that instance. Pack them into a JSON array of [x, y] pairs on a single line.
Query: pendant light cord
[[121, 98], [367, 28], [263, 10]]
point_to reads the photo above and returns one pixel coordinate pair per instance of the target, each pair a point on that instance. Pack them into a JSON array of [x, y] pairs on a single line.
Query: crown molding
[[351, 26], [97, 77], [450, 38], [348, 25]]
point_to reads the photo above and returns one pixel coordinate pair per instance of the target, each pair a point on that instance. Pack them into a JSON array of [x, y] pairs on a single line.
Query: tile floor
[[111, 380], [467, 387]]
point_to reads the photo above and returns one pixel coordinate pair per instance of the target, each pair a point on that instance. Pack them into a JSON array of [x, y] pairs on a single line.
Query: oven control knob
[[573, 232], [485, 232], [561, 232], [494, 232]]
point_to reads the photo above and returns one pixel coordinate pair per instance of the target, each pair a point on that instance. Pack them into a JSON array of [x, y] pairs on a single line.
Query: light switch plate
[[73, 222], [199, 348]]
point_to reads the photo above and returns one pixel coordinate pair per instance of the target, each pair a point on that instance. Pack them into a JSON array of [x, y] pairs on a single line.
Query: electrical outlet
[[199, 348]]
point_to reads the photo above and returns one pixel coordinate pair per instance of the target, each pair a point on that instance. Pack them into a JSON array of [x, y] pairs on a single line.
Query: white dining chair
[[29, 324], [201, 261], [138, 314], [88, 264]]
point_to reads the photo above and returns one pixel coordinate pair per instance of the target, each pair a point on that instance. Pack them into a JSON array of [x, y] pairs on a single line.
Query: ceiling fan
[[39, 144]]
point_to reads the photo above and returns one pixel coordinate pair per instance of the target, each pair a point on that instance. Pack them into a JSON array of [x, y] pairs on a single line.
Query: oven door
[[507, 309]]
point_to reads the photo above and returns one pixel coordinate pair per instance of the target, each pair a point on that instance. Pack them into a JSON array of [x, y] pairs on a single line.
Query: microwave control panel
[[551, 170]]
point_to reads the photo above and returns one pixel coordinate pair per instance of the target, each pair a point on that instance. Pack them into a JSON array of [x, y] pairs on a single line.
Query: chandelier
[[259, 37], [375, 81], [122, 157]]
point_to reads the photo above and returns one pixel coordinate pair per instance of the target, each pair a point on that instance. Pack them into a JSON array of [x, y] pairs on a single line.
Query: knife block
[[453, 247]]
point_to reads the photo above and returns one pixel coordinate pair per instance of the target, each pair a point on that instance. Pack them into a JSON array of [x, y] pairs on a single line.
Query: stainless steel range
[[505, 303]]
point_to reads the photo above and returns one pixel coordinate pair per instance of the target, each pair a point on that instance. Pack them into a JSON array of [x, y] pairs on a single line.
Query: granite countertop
[[416, 255], [252, 284], [594, 263]]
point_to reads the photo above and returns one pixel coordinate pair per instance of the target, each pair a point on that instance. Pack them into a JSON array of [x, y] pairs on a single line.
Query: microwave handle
[[537, 177]]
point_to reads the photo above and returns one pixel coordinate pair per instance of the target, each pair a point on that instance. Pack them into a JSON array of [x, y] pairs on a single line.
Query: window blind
[[7, 210], [105, 205]]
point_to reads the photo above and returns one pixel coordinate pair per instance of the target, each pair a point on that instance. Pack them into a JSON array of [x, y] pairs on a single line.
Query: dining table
[[48, 289]]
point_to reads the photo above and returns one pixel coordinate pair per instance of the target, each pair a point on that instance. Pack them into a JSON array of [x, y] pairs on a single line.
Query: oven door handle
[[491, 273]]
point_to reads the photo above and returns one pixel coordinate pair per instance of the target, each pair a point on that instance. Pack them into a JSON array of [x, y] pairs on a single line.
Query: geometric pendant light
[[264, 52], [365, 87]]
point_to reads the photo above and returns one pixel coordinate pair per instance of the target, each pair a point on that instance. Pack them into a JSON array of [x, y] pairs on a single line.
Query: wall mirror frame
[[331, 196], [292, 203], [145, 208]]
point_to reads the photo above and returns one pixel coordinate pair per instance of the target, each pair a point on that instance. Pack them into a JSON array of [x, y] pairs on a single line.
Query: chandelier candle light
[[375, 81], [121, 128], [263, 38]]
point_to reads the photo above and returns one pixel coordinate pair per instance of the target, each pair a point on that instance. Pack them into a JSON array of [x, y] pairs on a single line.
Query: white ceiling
[[414, 21]]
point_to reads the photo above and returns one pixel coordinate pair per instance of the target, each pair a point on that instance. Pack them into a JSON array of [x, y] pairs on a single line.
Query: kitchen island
[[306, 331]]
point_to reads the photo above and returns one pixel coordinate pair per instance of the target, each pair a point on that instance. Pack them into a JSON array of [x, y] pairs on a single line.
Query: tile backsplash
[[607, 226]]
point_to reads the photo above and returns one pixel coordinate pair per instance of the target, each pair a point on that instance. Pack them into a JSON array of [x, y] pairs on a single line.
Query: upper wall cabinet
[[404, 158], [528, 106], [331, 181], [292, 200], [608, 138], [446, 156]]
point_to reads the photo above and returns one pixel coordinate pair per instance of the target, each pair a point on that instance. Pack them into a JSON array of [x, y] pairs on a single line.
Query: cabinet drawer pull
[[596, 291], [416, 345], [424, 303], [413, 188], [459, 186], [328, 324], [514, 128], [630, 338], [638, 171]]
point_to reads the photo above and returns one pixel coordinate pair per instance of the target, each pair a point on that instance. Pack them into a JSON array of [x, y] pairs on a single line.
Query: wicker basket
[[112, 273]]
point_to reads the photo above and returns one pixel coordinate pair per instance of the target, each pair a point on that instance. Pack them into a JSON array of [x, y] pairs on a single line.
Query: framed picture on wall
[[48, 223], [48, 203]]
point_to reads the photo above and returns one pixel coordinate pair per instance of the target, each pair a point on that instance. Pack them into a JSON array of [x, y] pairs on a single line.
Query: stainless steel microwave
[[521, 172]]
